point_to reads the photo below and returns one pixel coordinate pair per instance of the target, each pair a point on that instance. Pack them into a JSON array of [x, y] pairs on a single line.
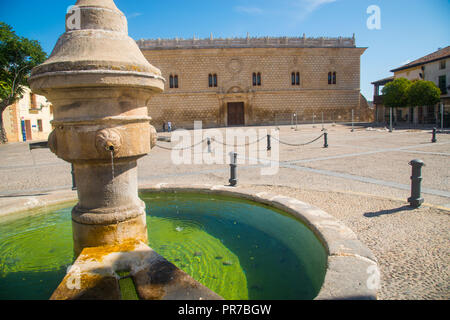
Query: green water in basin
[[238, 249]]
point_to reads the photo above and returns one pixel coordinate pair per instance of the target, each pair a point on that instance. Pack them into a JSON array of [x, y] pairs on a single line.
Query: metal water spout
[[100, 85]]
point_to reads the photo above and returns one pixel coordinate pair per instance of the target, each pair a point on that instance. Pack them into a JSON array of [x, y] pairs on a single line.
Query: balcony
[[378, 99]]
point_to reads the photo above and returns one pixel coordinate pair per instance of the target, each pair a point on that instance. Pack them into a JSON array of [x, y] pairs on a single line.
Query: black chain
[[242, 145], [180, 149], [239, 145], [298, 145]]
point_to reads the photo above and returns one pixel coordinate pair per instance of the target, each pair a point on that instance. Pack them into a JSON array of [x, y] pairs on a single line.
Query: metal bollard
[[233, 172], [434, 140], [416, 179], [74, 184], [353, 121], [325, 138], [44, 145], [269, 145], [209, 145]]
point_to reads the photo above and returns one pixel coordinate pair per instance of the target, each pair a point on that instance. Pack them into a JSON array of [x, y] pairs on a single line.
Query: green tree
[[18, 56], [423, 93], [395, 93]]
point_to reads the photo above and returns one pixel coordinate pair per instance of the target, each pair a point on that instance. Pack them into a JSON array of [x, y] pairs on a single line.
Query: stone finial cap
[[96, 14], [95, 50], [108, 4]]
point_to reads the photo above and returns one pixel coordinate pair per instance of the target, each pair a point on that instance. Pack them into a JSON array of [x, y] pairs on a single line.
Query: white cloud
[[134, 15], [314, 4], [248, 10], [296, 10], [309, 6]]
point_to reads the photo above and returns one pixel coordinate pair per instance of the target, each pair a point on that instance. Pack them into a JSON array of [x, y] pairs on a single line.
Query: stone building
[[28, 118], [432, 67], [256, 81]]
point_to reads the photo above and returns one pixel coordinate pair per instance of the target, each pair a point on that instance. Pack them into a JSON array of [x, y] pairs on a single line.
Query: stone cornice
[[264, 42]]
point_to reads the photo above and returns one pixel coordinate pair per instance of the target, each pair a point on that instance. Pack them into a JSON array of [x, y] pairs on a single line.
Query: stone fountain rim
[[350, 266], [350, 263]]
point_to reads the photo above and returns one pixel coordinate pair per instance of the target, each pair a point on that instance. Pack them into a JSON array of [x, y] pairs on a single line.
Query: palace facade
[[256, 81]]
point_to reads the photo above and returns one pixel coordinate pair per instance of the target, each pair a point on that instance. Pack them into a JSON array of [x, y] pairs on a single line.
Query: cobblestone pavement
[[363, 179]]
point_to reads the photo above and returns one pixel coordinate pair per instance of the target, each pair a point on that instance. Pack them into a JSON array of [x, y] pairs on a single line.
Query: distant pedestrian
[[169, 126], [164, 127]]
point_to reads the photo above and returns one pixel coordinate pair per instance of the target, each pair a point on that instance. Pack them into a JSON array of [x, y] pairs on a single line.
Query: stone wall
[[274, 101], [11, 123]]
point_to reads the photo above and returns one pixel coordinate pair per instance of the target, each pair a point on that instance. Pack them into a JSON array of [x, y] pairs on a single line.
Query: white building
[[29, 118], [434, 67]]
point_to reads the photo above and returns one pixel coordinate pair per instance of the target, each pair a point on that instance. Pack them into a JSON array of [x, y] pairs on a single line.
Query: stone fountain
[[100, 85]]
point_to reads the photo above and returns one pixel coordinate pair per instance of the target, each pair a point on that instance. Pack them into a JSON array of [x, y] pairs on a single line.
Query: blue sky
[[410, 29]]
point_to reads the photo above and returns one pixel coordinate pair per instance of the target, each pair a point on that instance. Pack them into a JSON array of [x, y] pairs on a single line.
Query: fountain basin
[[248, 252]]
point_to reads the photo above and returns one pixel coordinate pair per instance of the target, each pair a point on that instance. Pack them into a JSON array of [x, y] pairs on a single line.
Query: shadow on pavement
[[390, 211]]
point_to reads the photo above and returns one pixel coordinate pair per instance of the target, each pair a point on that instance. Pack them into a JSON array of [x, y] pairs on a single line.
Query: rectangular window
[[212, 80], [39, 125], [33, 101], [295, 78], [332, 79], [442, 64], [257, 79], [173, 81], [443, 84]]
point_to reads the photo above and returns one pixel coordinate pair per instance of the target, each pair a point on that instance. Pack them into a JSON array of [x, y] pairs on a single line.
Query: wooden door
[[28, 130], [236, 115]]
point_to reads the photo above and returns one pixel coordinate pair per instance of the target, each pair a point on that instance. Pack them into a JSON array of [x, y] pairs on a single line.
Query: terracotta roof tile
[[438, 55]]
